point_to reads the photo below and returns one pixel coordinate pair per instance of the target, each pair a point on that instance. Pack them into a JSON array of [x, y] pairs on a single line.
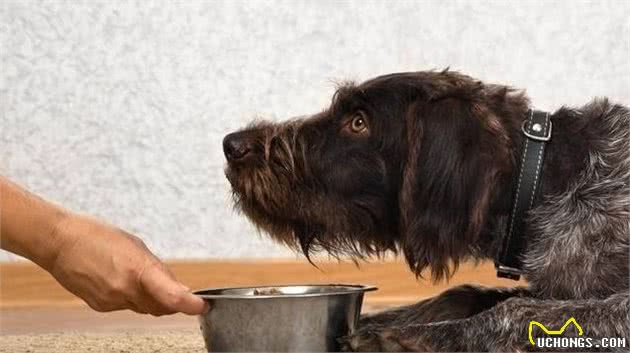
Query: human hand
[[112, 270]]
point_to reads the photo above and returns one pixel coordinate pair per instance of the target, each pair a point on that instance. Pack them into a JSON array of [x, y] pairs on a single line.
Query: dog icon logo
[[554, 332]]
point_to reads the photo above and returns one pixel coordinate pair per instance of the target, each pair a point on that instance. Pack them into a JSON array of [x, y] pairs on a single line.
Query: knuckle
[[135, 239], [132, 273], [116, 289]]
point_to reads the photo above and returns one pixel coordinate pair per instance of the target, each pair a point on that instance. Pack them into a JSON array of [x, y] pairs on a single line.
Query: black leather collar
[[537, 132]]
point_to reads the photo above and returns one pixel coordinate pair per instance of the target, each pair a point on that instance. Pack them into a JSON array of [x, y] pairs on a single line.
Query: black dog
[[423, 163]]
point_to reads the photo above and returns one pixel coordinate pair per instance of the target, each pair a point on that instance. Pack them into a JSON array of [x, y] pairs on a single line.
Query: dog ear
[[453, 159]]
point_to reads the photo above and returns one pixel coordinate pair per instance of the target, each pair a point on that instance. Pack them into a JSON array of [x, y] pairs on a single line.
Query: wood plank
[[24, 285]]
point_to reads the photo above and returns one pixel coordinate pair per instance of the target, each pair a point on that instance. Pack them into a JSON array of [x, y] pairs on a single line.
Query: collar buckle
[[508, 272], [534, 137]]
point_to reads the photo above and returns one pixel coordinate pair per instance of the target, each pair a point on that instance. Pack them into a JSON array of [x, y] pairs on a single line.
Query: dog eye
[[358, 124]]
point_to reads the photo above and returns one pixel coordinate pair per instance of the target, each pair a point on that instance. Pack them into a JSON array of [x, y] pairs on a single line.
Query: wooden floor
[[31, 302]]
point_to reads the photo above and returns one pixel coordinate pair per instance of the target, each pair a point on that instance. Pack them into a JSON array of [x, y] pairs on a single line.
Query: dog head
[[403, 162]]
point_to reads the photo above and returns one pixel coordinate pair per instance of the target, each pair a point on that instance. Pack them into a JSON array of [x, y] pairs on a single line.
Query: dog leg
[[505, 327], [456, 303]]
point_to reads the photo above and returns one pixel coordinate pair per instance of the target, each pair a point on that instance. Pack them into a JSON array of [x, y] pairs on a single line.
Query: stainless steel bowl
[[304, 318]]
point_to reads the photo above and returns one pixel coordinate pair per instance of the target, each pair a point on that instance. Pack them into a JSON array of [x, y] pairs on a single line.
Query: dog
[[422, 164]]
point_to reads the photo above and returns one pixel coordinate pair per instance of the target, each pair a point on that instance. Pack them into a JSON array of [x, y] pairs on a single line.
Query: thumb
[[171, 294], [191, 304]]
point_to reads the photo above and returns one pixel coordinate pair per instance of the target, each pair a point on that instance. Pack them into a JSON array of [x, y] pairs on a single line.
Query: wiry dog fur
[[430, 176]]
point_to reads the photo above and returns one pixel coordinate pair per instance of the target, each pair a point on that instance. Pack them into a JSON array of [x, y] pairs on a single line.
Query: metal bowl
[[291, 318]]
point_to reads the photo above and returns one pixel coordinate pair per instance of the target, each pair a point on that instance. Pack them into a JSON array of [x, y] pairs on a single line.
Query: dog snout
[[237, 147]]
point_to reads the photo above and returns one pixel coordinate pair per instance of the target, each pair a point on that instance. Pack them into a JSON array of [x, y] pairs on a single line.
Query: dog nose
[[236, 146]]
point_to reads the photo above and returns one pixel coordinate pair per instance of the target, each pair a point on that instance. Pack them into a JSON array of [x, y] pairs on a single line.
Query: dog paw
[[372, 338]]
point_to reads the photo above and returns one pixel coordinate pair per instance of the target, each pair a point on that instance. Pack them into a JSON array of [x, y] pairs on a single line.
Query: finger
[[150, 306], [165, 290], [206, 305], [154, 289], [191, 304]]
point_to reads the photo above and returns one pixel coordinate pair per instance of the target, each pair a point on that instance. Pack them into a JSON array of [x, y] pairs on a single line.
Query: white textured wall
[[118, 109]]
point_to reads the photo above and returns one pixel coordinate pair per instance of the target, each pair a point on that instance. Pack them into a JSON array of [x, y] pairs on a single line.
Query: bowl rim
[[349, 288]]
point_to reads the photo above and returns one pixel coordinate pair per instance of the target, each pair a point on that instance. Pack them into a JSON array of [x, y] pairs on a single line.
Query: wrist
[[57, 237], [28, 224]]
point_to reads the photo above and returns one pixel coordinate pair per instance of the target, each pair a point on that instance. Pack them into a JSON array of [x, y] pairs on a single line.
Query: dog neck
[[564, 159]]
